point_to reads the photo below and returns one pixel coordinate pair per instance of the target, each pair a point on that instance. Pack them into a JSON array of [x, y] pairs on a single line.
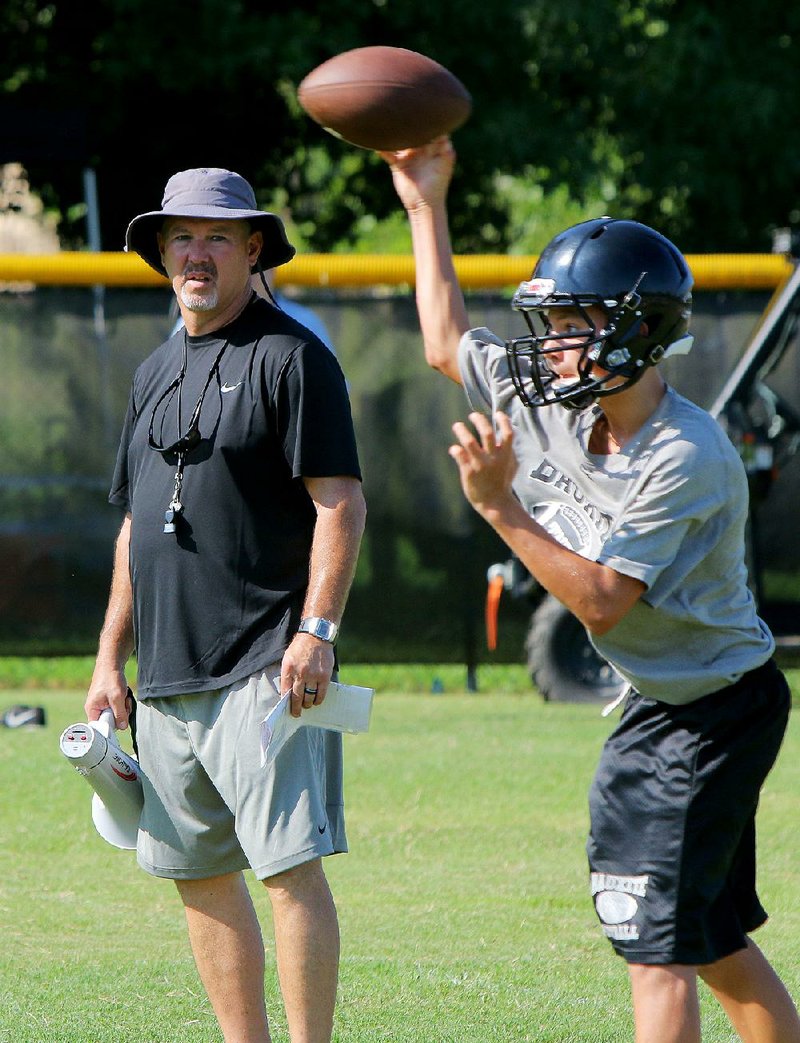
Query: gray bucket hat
[[209, 193]]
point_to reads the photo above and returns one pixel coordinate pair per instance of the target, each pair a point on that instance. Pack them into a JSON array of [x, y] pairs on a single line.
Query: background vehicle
[[765, 428]]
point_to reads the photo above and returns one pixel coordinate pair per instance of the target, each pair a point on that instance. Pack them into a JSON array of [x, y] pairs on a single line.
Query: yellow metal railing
[[476, 272]]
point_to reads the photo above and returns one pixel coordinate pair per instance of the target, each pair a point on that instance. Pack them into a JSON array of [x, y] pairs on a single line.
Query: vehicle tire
[[562, 662]]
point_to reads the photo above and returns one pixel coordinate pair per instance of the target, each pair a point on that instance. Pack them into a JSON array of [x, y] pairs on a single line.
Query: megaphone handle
[[106, 724]]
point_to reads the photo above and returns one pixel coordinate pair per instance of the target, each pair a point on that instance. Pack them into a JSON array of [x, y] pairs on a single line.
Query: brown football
[[385, 98]]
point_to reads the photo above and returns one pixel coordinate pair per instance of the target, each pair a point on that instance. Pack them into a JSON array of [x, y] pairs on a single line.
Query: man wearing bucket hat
[[239, 478]]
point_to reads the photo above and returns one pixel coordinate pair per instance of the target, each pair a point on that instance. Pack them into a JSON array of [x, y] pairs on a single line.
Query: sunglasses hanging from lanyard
[[186, 442]]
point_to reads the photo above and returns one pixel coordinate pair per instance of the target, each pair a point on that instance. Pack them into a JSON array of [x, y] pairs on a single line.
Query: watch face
[[327, 630], [324, 629]]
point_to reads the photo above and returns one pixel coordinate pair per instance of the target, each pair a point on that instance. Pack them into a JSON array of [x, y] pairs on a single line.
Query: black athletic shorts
[[672, 844]]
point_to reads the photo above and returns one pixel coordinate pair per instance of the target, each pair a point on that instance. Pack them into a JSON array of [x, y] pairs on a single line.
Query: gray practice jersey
[[669, 509]]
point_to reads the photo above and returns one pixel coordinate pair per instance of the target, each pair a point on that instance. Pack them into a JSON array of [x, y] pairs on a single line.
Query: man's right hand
[[108, 688]]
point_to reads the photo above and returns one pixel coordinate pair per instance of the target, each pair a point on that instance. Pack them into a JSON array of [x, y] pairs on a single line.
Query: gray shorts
[[210, 807]]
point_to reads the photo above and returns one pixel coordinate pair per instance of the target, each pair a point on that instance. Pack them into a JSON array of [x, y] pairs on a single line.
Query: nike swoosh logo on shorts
[[322, 828], [229, 387]]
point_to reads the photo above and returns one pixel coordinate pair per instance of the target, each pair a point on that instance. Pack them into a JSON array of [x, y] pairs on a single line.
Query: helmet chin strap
[[578, 401], [579, 397]]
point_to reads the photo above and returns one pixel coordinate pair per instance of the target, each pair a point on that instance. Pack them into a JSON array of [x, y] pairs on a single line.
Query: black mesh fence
[[68, 356]]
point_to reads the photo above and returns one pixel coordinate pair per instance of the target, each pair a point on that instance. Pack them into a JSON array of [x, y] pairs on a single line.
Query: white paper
[[346, 708]]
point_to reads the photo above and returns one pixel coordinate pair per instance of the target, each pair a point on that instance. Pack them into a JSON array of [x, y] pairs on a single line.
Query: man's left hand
[[306, 671]]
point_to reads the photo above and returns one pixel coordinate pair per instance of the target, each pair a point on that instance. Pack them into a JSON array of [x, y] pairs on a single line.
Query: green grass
[[58, 673], [464, 907], [65, 672]]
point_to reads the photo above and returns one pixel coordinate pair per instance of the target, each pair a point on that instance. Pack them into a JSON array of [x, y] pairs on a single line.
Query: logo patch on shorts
[[615, 899]]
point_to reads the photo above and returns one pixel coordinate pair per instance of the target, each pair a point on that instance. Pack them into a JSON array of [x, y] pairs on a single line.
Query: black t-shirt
[[221, 597]]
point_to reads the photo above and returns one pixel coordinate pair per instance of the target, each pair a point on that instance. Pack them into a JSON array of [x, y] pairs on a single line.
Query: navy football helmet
[[640, 280]]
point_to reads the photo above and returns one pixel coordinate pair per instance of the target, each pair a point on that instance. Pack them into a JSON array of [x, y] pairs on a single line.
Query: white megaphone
[[113, 774]]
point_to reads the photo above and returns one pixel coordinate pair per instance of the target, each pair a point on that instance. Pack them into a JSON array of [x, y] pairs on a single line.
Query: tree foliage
[[677, 113]]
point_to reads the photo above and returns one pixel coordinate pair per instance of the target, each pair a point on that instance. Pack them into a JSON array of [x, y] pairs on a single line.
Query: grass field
[[464, 908]]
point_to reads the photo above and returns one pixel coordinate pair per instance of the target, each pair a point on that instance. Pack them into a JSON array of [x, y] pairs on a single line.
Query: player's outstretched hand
[[422, 175]]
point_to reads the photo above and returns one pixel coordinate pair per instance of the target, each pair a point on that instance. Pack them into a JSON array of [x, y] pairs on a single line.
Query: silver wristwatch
[[324, 629]]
